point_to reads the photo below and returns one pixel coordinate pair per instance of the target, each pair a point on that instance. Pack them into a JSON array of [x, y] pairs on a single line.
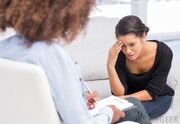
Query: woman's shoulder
[[164, 49], [164, 53]]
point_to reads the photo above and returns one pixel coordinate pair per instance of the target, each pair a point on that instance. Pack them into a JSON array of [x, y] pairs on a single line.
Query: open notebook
[[121, 104]]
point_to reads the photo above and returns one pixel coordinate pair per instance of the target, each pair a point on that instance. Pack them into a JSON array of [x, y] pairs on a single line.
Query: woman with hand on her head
[[138, 67]]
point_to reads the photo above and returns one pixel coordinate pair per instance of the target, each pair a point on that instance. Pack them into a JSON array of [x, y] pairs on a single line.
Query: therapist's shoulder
[[50, 52]]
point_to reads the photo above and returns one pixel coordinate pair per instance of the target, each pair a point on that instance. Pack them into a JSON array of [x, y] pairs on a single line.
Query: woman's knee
[[134, 100], [158, 107]]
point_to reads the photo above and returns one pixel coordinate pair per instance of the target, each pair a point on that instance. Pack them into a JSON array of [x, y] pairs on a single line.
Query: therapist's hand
[[117, 114], [91, 98]]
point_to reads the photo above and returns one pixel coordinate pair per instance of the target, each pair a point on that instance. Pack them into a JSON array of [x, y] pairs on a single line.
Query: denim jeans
[[137, 114], [158, 106]]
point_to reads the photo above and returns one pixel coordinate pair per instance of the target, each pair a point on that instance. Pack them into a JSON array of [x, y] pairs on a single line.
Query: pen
[[87, 87], [91, 100]]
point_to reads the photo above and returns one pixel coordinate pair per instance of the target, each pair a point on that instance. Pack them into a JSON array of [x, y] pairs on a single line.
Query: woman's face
[[131, 45]]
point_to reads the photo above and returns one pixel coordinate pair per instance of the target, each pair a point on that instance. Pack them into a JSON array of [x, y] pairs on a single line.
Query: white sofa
[[91, 49], [25, 95]]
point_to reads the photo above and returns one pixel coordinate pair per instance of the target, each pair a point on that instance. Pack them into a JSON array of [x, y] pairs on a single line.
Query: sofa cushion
[[91, 47]]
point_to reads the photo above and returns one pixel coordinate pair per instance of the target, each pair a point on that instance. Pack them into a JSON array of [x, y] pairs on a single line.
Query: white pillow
[[90, 49]]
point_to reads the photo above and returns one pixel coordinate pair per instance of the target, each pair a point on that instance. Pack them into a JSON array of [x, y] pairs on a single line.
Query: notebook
[[120, 103]]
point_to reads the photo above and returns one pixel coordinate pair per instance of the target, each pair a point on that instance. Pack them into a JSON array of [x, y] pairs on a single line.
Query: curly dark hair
[[45, 19]]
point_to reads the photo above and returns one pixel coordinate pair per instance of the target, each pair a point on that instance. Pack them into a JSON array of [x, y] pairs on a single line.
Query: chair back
[[25, 96]]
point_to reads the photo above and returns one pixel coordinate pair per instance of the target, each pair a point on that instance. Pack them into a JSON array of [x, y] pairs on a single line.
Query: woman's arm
[[142, 95], [116, 86]]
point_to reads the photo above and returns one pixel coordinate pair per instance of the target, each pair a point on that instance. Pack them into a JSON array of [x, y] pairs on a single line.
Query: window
[[112, 8], [163, 16], [160, 15]]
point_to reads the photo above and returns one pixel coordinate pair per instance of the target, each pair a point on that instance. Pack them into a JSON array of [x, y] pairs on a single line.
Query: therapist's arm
[[67, 90]]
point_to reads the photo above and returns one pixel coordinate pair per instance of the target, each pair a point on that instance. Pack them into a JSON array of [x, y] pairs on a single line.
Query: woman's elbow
[[119, 92]]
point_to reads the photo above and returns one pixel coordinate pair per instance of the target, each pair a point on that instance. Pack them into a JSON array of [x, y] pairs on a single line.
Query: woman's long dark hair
[[131, 24]]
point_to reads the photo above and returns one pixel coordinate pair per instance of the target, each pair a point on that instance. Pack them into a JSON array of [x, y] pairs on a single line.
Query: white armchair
[[25, 95]]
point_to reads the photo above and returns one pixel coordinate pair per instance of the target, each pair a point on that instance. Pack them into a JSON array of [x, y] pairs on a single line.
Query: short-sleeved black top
[[154, 81]]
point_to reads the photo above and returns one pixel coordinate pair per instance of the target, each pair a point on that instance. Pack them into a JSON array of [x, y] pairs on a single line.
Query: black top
[[154, 81]]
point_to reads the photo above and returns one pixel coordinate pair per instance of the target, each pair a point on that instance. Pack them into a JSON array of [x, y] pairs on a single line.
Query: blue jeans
[[158, 106], [137, 114]]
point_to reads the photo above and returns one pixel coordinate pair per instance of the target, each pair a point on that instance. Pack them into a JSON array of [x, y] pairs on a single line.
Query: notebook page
[[112, 100]]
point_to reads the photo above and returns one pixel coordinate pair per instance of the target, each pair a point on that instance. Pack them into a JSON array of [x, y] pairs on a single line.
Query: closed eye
[[131, 44]]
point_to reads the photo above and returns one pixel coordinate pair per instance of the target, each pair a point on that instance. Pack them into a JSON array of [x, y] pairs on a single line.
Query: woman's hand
[[113, 54], [91, 99]]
